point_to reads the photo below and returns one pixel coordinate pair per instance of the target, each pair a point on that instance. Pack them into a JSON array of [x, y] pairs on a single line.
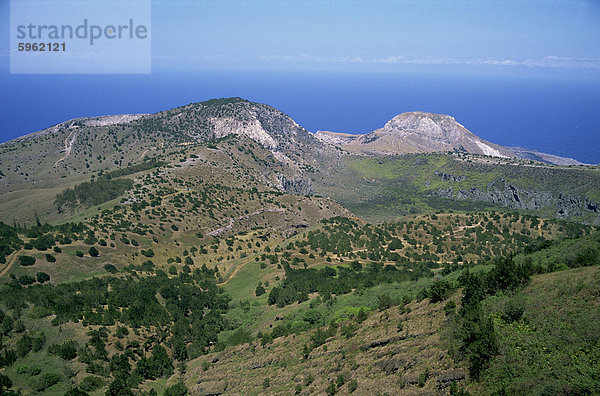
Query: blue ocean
[[554, 116]]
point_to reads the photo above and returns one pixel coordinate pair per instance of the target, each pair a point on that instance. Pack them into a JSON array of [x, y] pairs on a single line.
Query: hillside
[[220, 248], [380, 188], [274, 151], [354, 269], [47, 162]]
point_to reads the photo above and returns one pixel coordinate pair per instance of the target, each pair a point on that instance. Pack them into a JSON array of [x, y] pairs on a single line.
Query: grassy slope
[[380, 189], [555, 347], [404, 357]]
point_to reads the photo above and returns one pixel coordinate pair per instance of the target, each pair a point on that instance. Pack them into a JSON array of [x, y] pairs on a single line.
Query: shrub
[[147, 253], [50, 258], [352, 386], [91, 383], [260, 290], [66, 350], [513, 312], [384, 302], [24, 345], [47, 380], [450, 308], [26, 261], [93, 251], [111, 268], [439, 291], [121, 332], [26, 280], [42, 277], [179, 389], [38, 342]]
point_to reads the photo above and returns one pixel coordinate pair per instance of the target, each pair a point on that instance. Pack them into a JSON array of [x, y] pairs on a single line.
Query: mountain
[[420, 132], [46, 162]]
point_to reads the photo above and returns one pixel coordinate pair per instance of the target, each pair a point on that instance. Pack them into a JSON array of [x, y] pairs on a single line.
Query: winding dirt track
[[11, 262], [231, 275], [233, 220], [69, 141]]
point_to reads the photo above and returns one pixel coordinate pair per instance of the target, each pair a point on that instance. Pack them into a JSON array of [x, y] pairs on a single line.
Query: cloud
[[552, 61]]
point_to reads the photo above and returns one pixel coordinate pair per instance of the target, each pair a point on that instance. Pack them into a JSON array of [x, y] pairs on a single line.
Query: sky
[[481, 35], [267, 50]]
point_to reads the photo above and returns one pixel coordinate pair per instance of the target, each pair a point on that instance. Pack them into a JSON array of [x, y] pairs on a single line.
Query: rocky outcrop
[[416, 132], [448, 177], [449, 377], [299, 186], [505, 194]]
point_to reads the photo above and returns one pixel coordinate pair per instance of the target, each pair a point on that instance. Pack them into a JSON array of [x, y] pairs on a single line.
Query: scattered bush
[[42, 277], [26, 261]]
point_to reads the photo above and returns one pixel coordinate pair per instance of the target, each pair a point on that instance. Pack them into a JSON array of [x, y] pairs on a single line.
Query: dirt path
[[231, 275], [232, 220], [11, 262], [146, 152], [69, 141]]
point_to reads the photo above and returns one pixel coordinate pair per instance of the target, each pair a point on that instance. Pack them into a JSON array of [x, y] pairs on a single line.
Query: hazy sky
[[487, 36], [463, 36]]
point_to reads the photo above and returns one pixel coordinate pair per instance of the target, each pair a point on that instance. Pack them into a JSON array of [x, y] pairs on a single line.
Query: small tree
[[42, 277], [93, 251], [260, 290], [26, 261]]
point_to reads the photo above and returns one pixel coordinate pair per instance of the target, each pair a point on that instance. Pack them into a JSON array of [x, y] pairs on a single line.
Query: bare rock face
[[507, 195], [417, 132], [336, 138], [298, 186], [420, 132]]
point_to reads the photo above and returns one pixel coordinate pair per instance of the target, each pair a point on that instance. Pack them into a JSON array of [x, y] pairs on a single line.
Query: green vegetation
[[200, 276], [392, 186], [92, 193], [181, 314], [9, 241], [147, 165]]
